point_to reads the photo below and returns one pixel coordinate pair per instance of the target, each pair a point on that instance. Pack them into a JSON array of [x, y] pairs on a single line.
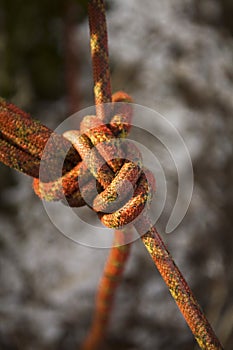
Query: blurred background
[[174, 56]]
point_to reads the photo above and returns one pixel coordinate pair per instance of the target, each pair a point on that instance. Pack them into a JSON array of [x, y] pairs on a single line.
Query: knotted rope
[[97, 156]]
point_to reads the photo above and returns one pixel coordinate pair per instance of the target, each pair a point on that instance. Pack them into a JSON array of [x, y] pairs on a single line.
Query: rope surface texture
[[98, 157]]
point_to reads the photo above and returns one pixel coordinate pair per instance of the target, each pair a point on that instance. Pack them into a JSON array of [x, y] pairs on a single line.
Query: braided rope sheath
[[22, 142], [99, 52], [23, 139], [181, 292]]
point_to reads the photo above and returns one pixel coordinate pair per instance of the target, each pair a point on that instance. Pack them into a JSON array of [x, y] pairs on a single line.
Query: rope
[[110, 280], [99, 52], [22, 142], [23, 139]]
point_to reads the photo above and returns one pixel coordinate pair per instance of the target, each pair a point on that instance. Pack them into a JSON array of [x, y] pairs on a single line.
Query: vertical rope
[[119, 253], [99, 54]]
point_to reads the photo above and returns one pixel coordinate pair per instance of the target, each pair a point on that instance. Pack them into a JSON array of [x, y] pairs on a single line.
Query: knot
[[109, 176]]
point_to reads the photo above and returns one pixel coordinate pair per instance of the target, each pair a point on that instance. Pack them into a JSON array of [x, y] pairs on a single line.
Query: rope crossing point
[[97, 154]]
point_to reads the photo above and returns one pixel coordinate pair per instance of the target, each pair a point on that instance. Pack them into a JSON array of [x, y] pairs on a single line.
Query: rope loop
[[110, 177]]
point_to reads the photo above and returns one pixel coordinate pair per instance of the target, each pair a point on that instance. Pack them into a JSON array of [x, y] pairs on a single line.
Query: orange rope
[[109, 282], [22, 142], [99, 52]]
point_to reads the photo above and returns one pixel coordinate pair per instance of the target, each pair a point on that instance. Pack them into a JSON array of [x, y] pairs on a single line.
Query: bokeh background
[[174, 56]]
